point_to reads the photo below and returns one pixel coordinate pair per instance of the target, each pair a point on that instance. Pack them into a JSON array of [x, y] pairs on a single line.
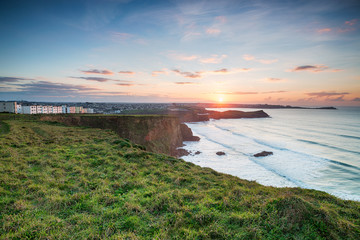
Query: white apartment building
[[9, 107]]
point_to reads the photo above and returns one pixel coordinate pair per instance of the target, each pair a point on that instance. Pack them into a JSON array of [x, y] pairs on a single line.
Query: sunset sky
[[298, 52]]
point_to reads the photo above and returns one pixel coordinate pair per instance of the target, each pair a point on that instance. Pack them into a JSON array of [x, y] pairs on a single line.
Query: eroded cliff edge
[[160, 134]]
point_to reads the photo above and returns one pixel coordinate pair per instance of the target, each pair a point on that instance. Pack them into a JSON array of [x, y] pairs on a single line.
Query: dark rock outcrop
[[198, 114], [187, 134], [263, 154], [182, 152], [197, 152], [237, 114], [220, 153]]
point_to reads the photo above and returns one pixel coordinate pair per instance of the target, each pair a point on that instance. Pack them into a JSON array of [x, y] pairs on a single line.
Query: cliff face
[[160, 134]]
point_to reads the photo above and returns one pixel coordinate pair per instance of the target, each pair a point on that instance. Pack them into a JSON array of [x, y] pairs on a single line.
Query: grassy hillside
[[59, 182]]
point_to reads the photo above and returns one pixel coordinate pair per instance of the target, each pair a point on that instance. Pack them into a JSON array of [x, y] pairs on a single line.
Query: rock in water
[[220, 153], [182, 152], [263, 154], [197, 152]]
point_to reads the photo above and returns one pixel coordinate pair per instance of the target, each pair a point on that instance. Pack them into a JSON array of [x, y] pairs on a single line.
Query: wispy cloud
[[249, 57], [227, 71], [221, 19], [348, 26], [199, 74], [280, 91], [121, 36], [324, 30], [326, 94], [188, 74], [43, 86], [183, 57], [188, 36], [127, 72], [252, 93], [158, 72], [12, 79], [213, 31], [275, 80], [97, 71], [338, 99], [314, 68], [97, 79], [125, 84], [241, 93], [213, 59], [184, 83], [351, 22], [356, 99]]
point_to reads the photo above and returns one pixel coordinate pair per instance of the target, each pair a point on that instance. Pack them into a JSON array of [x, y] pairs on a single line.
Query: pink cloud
[[314, 68], [157, 73], [213, 59], [326, 94], [221, 19], [226, 71], [125, 84], [248, 57], [184, 83], [324, 30], [182, 57], [213, 31], [241, 93], [199, 74], [275, 80], [127, 72], [97, 71], [188, 74], [351, 22]]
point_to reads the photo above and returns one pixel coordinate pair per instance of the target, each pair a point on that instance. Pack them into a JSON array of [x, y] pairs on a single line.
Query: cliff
[[160, 134]]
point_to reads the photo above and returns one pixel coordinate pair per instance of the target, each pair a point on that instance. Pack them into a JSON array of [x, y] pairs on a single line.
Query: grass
[[59, 182]]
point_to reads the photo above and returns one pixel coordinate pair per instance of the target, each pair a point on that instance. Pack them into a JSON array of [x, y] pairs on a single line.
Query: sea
[[312, 148]]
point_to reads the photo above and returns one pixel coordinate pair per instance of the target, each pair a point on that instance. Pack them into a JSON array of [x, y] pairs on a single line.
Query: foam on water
[[316, 149]]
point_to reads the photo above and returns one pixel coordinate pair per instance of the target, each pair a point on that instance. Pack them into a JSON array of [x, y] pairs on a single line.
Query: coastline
[[313, 175]]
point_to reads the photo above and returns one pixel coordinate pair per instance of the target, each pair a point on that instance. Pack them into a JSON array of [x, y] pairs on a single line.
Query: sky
[[297, 52]]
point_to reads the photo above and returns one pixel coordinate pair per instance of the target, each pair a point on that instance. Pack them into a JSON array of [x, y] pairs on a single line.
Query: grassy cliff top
[[59, 182]]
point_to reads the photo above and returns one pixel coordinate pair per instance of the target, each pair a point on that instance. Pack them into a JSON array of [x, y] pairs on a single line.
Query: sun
[[221, 99]]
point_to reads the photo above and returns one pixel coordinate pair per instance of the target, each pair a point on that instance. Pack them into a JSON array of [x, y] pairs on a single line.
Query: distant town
[[15, 107]]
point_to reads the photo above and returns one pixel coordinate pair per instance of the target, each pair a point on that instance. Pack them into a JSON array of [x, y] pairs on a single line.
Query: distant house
[[9, 107]]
